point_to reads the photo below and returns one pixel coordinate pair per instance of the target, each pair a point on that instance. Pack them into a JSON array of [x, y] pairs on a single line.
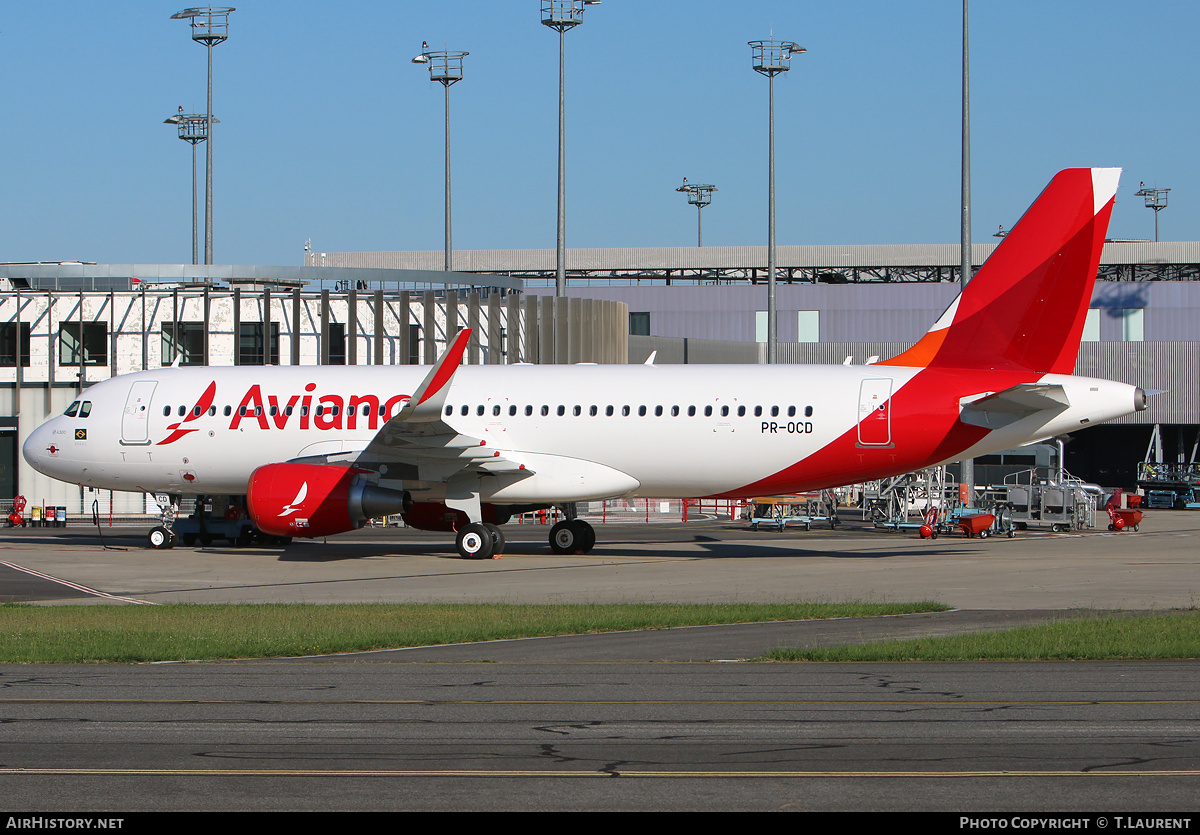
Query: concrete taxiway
[[707, 561], [636, 720]]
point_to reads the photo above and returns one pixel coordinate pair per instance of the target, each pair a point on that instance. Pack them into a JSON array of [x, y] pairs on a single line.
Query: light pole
[[193, 129], [1156, 198], [967, 468], [445, 67], [562, 15], [210, 26], [772, 57], [699, 196]]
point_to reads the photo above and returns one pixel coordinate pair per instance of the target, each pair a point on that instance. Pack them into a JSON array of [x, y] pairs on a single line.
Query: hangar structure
[[65, 326]]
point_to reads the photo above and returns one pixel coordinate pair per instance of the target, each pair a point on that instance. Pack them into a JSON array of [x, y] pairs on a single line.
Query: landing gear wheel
[[572, 537], [160, 538], [563, 538], [474, 542], [497, 538], [587, 536]]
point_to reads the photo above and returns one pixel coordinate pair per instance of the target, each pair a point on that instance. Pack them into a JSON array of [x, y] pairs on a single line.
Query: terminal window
[[337, 343], [9, 346], [184, 340], [92, 349], [252, 349]]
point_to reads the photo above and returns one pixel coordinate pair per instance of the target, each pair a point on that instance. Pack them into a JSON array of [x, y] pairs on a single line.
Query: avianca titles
[[318, 450]]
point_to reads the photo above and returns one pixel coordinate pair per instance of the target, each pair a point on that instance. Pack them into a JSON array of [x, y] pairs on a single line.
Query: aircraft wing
[[997, 409], [417, 443]]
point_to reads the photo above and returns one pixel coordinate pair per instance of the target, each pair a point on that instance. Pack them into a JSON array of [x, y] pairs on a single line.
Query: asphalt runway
[[672, 719]]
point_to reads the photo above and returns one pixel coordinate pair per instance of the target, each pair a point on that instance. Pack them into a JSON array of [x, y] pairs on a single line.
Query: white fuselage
[[583, 432]]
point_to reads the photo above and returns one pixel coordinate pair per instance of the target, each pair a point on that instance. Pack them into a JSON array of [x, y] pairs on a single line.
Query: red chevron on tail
[[1025, 308]]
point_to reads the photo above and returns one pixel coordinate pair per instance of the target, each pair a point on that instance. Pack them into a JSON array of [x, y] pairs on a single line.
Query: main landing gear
[[483, 540], [480, 541], [572, 536]]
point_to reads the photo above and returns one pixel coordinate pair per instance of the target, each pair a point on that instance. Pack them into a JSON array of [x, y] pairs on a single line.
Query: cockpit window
[[85, 408], [72, 410]]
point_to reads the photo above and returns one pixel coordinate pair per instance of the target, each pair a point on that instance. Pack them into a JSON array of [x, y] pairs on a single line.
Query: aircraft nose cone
[[40, 449]]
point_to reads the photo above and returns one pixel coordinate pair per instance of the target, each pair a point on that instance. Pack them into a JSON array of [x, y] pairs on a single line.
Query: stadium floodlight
[[1156, 199], [772, 57], [445, 67], [210, 26], [193, 129], [699, 196], [562, 15]]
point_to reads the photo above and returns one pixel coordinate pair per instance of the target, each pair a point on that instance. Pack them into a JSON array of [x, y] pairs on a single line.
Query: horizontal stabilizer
[[1004, 407]]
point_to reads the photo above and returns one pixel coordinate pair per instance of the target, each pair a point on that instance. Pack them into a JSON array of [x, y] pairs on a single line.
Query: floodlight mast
[[210, 26], [772, 57], [699, 196], [1156, 198], [562, 15], [445, 67], [193, 129]]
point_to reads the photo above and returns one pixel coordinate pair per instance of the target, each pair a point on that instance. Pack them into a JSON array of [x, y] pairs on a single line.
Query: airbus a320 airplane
[[319, 450]]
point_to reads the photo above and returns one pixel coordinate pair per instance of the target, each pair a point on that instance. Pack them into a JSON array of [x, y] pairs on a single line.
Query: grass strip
[[1170, 635], [180, 632]]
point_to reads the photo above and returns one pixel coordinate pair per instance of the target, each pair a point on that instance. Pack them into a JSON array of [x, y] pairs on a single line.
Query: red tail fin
[[1025, 308]]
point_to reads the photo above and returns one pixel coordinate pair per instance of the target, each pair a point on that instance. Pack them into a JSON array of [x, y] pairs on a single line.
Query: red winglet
[[446, 365]]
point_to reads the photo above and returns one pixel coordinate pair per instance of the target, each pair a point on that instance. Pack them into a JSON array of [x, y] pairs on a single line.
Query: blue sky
[[330, 133]]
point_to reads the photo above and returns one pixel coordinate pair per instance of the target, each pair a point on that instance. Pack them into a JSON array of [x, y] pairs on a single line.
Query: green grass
[[179, 632], [1110, 638]]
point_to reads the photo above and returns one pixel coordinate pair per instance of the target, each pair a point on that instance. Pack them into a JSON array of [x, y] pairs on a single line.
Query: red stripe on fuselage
[[925, 431]]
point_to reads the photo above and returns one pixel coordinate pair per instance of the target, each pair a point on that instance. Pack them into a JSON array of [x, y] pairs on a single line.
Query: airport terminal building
[[65, 326]]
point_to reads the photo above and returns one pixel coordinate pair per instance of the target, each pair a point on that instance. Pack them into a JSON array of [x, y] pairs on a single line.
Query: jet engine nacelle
[[316, 500]]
